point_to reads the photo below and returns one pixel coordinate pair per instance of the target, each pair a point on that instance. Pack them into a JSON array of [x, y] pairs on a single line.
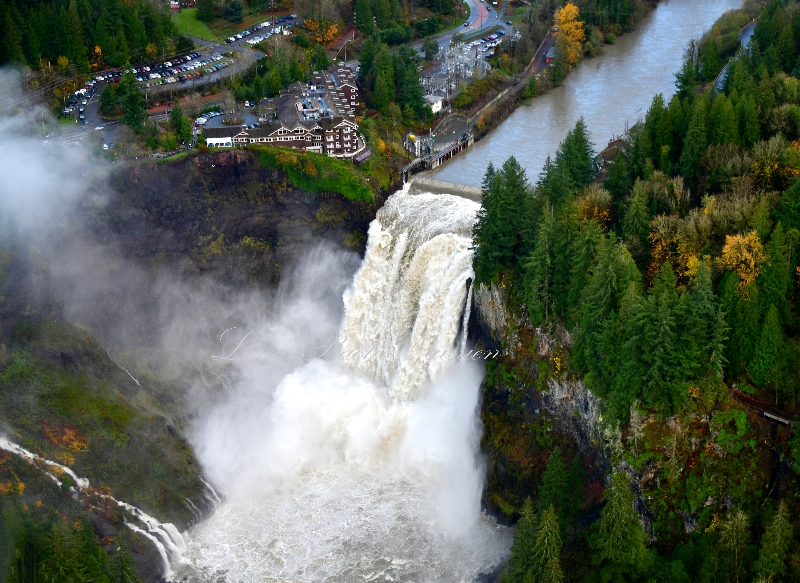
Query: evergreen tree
[[552, 572], [582, 254], [539, 271], [90, 554], [712, 64], [734, 536], [366, 57], [108, 100], [321, 58], [363, 16], [775, 544], [618, 542], [686, 78], [774, 283], [205, 10], [132, 100], [555, 183], [576, 490], [383, 93], [234, 11], [553, 491], [618, 181], [547, 548], [10, 39], [122, 567], [577, 155], [274, 82], [503, 222], [76, 42], [60, 561], [766, 352], [749, 129], [699, 318], [383, 13], [695, 145], [487, 236], [521, 560]]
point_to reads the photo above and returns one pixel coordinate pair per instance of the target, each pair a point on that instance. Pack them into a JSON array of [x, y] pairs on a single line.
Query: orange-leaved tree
[[572, 32]]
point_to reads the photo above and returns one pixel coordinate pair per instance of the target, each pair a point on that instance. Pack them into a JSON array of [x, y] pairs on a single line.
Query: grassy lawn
[[225, 29], [187, 24], [219, 29]]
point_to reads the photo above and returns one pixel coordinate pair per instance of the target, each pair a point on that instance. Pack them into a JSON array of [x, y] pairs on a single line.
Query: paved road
[[540, 58], [481, 16]]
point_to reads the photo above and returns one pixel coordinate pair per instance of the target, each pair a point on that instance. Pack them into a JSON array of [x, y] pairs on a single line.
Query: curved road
[[481, 16]]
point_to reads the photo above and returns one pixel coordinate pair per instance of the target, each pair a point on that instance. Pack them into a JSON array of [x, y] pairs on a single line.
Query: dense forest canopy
[[673, 273], [84, 32]]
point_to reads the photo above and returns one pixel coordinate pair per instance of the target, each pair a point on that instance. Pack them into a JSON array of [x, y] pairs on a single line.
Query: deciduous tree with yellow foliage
[[572, 33], [743, 254]]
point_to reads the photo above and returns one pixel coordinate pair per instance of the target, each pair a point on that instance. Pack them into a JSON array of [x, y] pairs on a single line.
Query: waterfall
[[405, 308], [169, 542], [360, 464]]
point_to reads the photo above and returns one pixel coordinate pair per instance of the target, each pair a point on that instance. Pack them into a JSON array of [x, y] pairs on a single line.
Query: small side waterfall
[[169, 542]]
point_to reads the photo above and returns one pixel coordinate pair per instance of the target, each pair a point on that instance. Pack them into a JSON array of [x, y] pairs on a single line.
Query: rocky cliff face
[[529, 405], [224, 214], [221, 218]]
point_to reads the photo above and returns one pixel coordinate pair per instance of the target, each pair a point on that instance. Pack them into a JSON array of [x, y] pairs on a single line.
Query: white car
[[99, 128]]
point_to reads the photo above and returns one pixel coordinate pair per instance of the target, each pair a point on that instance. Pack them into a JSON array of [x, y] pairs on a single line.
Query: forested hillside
[[669, 281], [84, 32]]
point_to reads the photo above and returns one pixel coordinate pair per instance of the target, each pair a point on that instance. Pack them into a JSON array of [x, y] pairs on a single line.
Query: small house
[[436, 102]]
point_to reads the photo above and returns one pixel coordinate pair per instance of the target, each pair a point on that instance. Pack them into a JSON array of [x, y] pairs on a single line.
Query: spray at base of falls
[[363, 467], [165, 537]]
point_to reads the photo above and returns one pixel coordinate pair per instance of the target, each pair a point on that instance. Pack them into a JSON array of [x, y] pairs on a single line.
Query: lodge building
[[314, 117]]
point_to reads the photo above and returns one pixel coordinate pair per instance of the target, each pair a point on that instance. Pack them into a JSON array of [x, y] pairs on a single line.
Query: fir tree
[[274, 82], [547, 547], [539, 272], [205, 10], [108, 100], [521, 560], [577, 155], [582, 254], [122, 567], [234, 11], [734, 536], [383, 93], [383, 13], [553, 491], [132, 100], [775, 544], [363, 16], [686, 79], [618, 542], [749, 129], [766, 351], [76, 42], [618, 180], [712, 64], [695, 145]]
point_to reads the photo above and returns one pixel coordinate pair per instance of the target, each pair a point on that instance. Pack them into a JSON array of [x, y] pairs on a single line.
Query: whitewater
[[352, 453]]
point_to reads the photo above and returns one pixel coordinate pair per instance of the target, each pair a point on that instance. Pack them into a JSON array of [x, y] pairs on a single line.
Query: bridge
[[436, 159]]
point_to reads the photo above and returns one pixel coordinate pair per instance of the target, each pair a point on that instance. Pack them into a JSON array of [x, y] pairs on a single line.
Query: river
[[610, 92]]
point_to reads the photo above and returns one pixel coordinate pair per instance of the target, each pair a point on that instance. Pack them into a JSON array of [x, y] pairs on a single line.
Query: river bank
[[610, 91]]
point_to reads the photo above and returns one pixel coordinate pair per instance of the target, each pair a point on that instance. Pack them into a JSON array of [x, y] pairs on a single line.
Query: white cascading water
[[169, 542], [363, 466]]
